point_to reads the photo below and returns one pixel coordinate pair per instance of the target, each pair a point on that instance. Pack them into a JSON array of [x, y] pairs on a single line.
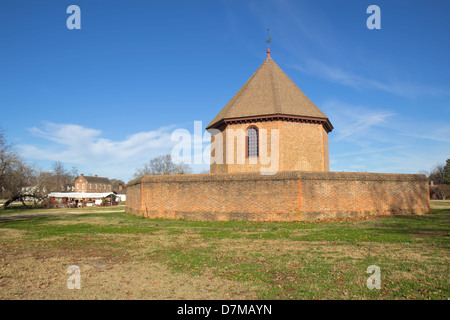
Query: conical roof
[[269, 91]]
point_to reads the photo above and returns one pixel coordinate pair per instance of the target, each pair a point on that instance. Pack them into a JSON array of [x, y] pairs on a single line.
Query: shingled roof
[[270, 93], [99, 180]]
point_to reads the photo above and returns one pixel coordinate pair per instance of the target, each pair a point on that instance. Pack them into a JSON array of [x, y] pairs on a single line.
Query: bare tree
[[57, 180], [437, 174], [16, 176], [443, 191], [20, 181], [61, 177], [117, 184], [162, 165]]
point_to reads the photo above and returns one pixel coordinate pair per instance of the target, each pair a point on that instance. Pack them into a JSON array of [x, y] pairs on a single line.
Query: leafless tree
[[117, 184], [20, 181], [443, 191], [16, 176], [57, 180], [437, 174], [162, 165]]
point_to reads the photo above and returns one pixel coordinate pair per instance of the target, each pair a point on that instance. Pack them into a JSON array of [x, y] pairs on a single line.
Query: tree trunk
[[12, 199], [8, 202], [23, 202]]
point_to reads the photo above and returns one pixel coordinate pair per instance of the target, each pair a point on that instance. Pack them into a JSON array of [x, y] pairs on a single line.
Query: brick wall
[[286, 196], [83, 185], [326, 151], [133, 195], [301, 147]]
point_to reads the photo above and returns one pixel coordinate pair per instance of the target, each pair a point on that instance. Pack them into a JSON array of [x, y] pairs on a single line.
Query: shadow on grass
[[6, 221], [433, 227]]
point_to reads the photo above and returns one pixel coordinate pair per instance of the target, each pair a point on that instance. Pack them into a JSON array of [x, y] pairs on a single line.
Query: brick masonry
[[301, 147], [285, 196]]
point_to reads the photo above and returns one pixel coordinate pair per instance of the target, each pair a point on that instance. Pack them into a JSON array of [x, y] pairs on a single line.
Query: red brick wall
[[286, 196], [79, 183], [358, 194], [326, 151], [301, 147], [90, 187], [133, 203]]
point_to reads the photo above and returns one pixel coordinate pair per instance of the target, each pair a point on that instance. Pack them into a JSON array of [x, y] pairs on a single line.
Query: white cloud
[[87, 149]]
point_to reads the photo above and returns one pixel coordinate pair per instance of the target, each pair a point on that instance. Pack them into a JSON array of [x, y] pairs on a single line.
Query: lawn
[[122, 256]]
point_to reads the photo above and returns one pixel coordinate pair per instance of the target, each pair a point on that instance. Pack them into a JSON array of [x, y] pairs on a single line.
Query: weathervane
[[269, 38]]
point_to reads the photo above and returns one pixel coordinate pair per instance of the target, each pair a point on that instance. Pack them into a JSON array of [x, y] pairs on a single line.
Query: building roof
[[270, 92], [96, 179], [79, 195]]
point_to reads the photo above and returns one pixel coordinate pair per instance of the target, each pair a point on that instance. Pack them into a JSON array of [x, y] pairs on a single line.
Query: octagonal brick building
[[245, 127]]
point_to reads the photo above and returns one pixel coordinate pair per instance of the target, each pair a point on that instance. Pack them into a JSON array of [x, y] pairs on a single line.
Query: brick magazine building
[[270, 162]]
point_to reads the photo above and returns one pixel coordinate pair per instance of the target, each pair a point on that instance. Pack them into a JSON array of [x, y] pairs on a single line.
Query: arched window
[[252, 142]]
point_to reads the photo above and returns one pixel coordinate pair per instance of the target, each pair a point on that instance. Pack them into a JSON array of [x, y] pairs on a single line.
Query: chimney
[[95, 176]]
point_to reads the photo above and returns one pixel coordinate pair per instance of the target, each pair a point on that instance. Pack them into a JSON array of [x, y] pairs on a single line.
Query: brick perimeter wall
[[133, 194], [286, 196]]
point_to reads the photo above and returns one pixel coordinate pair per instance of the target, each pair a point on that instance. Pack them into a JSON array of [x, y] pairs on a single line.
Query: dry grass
[[126, 257], [103, 277]]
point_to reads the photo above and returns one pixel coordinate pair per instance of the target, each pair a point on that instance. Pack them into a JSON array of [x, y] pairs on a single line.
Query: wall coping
[[290, 175]]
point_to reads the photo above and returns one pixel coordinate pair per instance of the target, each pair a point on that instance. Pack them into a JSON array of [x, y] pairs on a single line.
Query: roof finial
[[269, 38]]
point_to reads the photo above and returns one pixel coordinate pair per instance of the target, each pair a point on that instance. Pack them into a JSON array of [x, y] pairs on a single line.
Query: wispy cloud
[[434, 132], [356, 123], [380, 140], [363, 122], [348, 78], [311, 38]]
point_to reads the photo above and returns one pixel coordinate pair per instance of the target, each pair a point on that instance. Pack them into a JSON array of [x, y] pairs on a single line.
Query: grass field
[[122, 256]]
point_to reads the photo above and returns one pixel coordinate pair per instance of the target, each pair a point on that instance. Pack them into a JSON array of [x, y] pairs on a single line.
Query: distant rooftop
[[95, 179]]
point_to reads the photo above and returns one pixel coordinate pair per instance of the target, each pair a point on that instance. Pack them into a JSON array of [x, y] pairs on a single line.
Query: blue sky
[[107, 97]]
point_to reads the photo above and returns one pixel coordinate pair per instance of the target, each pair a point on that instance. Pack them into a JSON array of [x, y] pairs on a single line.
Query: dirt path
[[12, 216]]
